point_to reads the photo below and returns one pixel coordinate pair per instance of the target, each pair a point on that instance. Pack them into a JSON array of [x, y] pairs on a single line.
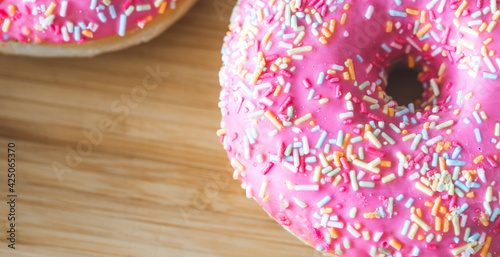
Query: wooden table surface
[[117, 159]]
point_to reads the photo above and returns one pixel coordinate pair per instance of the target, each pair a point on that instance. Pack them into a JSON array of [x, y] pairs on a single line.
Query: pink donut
[[83, 27], [315, 139]]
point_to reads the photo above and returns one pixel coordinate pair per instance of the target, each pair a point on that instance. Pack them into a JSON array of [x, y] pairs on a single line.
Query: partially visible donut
[[315, 139], [68, 28]]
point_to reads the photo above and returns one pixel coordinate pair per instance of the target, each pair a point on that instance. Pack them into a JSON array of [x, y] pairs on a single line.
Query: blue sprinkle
[[323, 201], [478, 135], [386, 48], [415, 27], [456, 240], [360, 59], [456, 152], [311, 159], [413, 120], [112, 12], [340, 138], [462, 208], [397, 13], [378, 82], [473, 237], [319, 248], [488, 75], [409, 203], [245, 88], [321, 78], [462, 186], [381, 211], [415, 251], [406, 227], [455, 163], [405, 119], [317, 216], [321, 139], [372, 123], [494, 216], [494, 140], [466, 121], [5, 37], [288, 158], [435, 157], [297, 144], [476, 116], [446, 157], [102, 17], [398, 2], [471, 184], [402, 112], [76, 34], [400, 197], [425, 134], [315, 128], [311, 94]]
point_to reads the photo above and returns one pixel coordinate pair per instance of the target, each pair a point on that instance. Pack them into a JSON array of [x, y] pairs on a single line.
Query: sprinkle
[[270, 116], [458, 250], [323, 201], [64, 7], [263, 188], [424, 189], [303, 119], [388, 178], [123, 24], [478, 135], [321, 139], [306, 187], [6, 25], [420, 222], [369, 12], [93, 4], [299, 50], [354, 182], [299, 202], [353, 231], [397, 13], [373, 139]]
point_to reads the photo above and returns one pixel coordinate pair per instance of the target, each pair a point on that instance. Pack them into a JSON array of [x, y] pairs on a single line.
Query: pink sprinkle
[[376, 177], [430, 246], [345, 164], [479, 3], [375, 152], [269, 91], [306, 83], [281, 148], [266, 168], [492, 162], [363, 108], [338, 91], [285, 104], [345, 176]]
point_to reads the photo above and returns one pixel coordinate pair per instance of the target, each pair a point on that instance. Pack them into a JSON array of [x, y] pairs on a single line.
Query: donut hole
[[403, 85]]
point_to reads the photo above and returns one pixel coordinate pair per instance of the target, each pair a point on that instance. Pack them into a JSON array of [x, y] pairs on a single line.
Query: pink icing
[[50, 21], [289, 102]]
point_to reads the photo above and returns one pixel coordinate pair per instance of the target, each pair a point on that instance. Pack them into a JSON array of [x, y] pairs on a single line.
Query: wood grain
[[158, 183]]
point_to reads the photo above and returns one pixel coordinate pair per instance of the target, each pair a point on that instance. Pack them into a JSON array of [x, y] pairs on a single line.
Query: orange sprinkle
[[470, 195], [325, 210], [50, 9], [437, 204], [326, 32], [483, 27], [271, 117], [12, 10], [343, 19], [388, 26], [386, 164], [486, 247], [87, 33], [446, 225], [332, 233], [478, 159], [421, 32], [322, 40], [221, 132], [277, 91], [423, 17], [411, 11], [496, 15], [395, 243], [437, 223]]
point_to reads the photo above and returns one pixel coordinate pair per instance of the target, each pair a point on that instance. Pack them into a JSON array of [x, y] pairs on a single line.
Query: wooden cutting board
[[109, 166]]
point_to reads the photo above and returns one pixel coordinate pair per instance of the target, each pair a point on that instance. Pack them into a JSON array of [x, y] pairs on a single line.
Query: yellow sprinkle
[[343, 19], [303, 119], [299, 50], [237, 164], [423, 17], [461, 8], [420, 222], [373, 139], [388, 178], [437, 223], [424, 189], [483, 27], [411, 62], [6, 25], [12, 10], [478, 159], [459, 250], [263, 188], [332, 25], [496, 15], [323, 40], [456, 225], [413, 231], [299, 38], [346, 75], [469, 31], [421, 32]]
